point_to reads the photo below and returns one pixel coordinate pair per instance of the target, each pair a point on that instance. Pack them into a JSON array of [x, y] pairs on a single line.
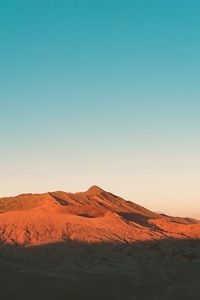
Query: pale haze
[[105, 93]]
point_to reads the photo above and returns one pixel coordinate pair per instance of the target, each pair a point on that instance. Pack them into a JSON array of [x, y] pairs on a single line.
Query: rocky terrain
[[94, 244]]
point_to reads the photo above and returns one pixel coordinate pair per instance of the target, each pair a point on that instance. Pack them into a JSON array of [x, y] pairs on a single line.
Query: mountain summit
[[95, 190]]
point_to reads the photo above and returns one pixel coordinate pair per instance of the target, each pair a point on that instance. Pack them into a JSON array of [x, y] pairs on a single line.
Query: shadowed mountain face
[[95, 245]]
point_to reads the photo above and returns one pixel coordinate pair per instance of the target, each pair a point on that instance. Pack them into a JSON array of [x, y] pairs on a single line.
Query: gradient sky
[[102, 92]]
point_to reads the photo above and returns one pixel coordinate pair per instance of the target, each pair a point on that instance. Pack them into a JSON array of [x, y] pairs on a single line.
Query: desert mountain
[[95, 245], [91, 217]]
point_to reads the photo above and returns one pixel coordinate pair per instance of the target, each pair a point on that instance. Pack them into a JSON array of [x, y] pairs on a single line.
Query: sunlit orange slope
[[91, 216]]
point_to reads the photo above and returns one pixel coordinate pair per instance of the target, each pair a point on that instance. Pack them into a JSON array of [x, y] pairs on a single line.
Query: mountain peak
[[94, 190]]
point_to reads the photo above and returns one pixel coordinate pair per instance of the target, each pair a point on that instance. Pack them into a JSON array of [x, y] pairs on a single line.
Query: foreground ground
[[165, 270]]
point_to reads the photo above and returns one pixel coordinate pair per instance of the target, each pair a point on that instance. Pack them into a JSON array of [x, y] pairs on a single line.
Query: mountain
[[95, 245], [91, 216]]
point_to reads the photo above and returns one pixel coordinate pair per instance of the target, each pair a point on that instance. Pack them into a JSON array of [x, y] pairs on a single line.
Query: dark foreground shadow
[[165, 270]]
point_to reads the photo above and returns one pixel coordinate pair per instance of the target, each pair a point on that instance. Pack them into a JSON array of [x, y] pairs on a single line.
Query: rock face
[[94, 216]]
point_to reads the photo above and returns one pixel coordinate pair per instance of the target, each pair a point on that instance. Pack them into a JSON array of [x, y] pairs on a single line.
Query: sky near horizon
[[102, 92]]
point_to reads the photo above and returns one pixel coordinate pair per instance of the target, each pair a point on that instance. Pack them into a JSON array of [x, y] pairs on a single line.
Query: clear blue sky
[[102, 92]]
